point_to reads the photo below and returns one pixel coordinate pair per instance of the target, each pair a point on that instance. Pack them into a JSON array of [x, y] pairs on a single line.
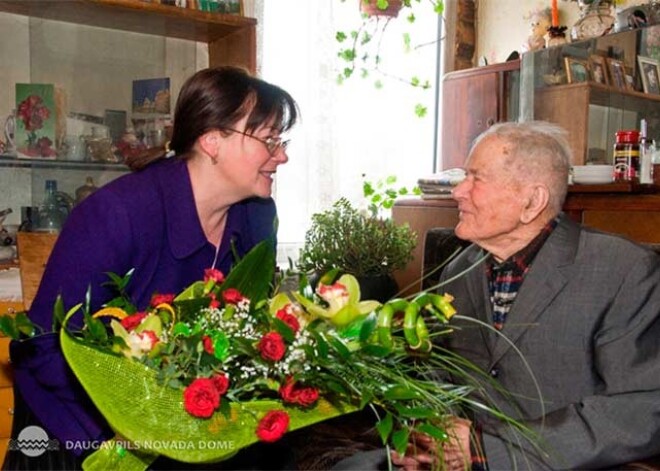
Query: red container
[[626, 156]]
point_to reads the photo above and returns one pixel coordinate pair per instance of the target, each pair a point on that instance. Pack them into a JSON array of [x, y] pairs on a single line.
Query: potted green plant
[[367, 246], [360, 48]]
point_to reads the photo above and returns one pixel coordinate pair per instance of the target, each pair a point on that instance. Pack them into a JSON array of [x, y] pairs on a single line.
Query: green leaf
[[420, 110], [96, 330], [400, 393], [58, 313], [340, 36], [384, 427], [254, 273], [8, 327], [400, 440], [368, 327], [433, 431], [414, 412], [340, 348], [25, 325], [284, 330]]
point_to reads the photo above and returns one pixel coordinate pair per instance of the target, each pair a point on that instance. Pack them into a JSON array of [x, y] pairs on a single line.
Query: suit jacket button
[[494, 372]]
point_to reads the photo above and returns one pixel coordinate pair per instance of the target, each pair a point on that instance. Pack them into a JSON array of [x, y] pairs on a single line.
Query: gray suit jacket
[[587, 323]]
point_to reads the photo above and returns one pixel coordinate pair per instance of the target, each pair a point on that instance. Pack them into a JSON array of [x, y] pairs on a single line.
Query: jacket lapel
[[477, 287], [543, 282]]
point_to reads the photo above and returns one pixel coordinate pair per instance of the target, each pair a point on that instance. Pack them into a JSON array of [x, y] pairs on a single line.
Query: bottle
[[626, 156], [646, 151], [51, 216]]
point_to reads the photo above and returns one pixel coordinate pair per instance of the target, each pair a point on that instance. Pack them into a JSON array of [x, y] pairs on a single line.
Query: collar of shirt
[[520, 262]]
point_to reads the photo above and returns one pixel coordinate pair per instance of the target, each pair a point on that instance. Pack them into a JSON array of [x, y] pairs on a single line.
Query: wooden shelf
[[135, 16], [618, 187], [603, 94]]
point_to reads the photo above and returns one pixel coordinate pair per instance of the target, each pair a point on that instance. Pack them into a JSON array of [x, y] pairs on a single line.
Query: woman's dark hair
[[219, 97]]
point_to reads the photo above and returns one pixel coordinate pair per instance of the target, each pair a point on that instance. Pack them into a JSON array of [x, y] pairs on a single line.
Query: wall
[[502, 27]]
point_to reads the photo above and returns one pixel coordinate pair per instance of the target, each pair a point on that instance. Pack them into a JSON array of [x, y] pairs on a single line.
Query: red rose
[[131, 322], [273, 425], [288, 319], [201, 398], [288, 392], [208, 344], [292, 394], [232, 296], [221, 383], [213, 274], [271, 346], [161, 299], [214, 304], [307, 396]]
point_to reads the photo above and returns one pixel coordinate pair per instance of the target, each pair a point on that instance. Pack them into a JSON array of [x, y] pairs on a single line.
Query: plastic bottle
[[51, 216]]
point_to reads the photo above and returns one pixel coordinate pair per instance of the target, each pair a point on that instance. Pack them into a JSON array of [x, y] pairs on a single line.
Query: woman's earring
[[214, 160]]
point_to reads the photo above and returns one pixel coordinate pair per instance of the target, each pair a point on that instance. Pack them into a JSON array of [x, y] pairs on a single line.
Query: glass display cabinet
[[594, 88], [102, 59]]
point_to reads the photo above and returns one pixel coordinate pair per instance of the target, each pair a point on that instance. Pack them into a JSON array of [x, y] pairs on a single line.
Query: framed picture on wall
[[598, 69], [577, 70], [617, 71], [649, 71]]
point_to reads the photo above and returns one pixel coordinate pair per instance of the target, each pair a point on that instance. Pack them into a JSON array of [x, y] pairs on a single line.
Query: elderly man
[[573, 314]]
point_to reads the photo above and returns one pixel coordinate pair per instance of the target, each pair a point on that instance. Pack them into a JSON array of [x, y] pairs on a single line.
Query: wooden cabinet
[[231, 39], [593, 113], [472, 101]]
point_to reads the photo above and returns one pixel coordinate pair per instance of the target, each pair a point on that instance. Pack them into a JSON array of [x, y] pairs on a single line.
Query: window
[[350, 129]]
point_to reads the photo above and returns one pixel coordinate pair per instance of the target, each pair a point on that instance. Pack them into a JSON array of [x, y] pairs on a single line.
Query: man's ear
[[536, 201]]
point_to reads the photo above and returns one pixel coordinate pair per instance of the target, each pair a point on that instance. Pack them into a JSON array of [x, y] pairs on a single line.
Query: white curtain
[[347, 130]]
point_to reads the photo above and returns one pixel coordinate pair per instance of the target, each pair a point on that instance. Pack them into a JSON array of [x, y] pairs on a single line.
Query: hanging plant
[[360, 49]]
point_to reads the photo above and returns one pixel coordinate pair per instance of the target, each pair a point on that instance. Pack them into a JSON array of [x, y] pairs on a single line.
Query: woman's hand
[[423, 451]]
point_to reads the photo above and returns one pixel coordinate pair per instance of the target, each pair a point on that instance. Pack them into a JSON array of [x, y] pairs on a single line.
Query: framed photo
[[151, 96], [649, 70], [617, 71], [577, 70], [598, 69]]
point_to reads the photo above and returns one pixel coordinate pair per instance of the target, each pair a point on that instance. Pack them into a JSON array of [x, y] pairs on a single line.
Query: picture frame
[[598, 69], [577, 70], [649, 71], [151, 96], [617, 72]]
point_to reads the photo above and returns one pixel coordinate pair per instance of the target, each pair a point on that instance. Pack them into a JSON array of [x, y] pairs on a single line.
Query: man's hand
[[423, 451]]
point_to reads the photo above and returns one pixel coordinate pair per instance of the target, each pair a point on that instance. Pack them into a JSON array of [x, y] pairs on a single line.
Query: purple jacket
[[145, 220]]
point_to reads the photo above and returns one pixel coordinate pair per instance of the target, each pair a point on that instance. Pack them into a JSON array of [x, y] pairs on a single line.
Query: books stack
[[439, 185], [232, 7]]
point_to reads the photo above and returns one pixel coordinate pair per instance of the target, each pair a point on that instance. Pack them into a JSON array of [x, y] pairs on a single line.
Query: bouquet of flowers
[[204, 373]]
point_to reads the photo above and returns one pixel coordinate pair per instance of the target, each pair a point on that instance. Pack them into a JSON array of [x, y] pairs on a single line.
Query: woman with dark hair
[[169, 220]]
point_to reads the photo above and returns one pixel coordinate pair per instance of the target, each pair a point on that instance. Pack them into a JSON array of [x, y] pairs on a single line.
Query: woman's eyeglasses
[[273, 144]]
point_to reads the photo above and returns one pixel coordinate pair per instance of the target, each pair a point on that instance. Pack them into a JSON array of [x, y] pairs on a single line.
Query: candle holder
[[556, 36]]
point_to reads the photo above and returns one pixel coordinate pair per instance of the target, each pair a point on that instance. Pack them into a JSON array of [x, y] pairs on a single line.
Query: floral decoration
[[227, 359]]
